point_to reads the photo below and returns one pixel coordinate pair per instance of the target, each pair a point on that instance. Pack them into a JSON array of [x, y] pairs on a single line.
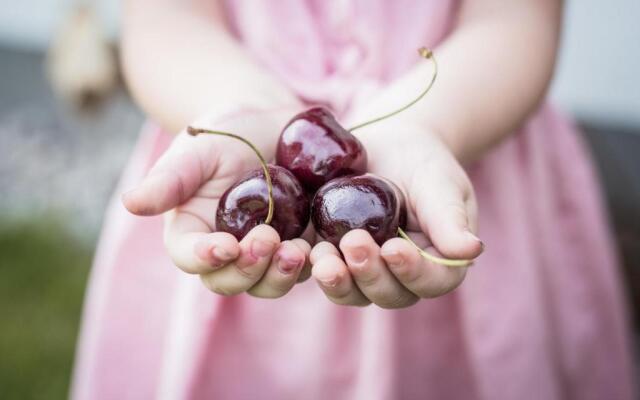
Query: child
[[539, 315]]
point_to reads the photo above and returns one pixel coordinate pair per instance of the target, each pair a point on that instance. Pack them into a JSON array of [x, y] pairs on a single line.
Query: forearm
[[493, 72], [180, 63]]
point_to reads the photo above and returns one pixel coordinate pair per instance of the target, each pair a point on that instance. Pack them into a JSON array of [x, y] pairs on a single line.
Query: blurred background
[[67, 127]]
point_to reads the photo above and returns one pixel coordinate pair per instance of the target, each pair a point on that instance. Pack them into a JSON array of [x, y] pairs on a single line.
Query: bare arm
[[180, 63], [184, 68], [494, 71]]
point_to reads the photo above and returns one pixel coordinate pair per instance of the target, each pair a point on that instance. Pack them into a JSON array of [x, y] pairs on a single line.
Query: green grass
[[42, 277]]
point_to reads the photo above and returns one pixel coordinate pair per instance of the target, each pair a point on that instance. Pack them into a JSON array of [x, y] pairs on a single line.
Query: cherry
[[271, 196], [246, 204], [366, 202], [316, 148]]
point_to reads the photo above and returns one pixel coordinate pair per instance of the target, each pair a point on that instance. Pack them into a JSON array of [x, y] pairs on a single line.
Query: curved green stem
[[196, 131], [427, 54], [436, 260]]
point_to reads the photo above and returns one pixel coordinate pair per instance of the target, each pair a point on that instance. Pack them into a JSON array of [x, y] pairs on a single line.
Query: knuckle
[[177, 259], [397, 304], [428, 287], [433, 292], [436, 288], [399, 300], [265, 292], [341, 297], [406, 275], [349, 298], [276, 287], [350, 301], [214, 287], [183, 267], [249, 272], [367, 278]]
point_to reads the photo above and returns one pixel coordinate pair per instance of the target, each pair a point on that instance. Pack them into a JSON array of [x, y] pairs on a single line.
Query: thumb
[[445, 217], [173, 180]]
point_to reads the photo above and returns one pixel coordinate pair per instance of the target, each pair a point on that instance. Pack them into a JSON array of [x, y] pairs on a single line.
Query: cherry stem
[[424, 53], [429, 257], [196, 131]]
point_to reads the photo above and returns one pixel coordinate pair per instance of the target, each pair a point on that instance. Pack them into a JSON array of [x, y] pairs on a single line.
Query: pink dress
[[540, 316]]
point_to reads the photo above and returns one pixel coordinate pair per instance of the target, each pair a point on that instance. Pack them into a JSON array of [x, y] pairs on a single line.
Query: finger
[[472, 214], [191, 245], [334, 279], [442, 214], [201, 253], [370, 272], [282, 273], [256, 251], [322, 249], [175, 177], [422, 278]]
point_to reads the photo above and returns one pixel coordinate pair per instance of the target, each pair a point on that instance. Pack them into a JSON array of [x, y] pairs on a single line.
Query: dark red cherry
[[317, 149], [246, 204], [366, 202]]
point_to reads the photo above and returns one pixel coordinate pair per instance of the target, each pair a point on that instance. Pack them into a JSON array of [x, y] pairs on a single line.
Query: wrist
[[269, 115], [261, 125], [411, 135]]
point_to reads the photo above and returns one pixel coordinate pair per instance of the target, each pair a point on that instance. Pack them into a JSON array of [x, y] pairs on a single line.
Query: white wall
[[30, 23], [597, 75]]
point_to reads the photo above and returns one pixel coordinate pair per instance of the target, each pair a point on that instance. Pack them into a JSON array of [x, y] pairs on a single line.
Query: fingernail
[[474, 237], [220, 255], [288, 266], [357, 256], [327, 278], [393, 258], [329, 282], [261, 248]]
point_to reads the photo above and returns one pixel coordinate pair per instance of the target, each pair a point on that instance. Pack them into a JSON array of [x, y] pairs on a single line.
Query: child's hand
[[187, 183], [440, 203]]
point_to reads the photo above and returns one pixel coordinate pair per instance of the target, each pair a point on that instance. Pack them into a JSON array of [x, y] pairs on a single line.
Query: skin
[[453, 125]]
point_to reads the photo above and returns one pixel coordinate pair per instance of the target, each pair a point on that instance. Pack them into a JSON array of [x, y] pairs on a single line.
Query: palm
[[441, 210], [199, 210], [186, 184]]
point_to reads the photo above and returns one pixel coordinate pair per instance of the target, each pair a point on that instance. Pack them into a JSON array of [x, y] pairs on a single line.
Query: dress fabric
[[540, 316]]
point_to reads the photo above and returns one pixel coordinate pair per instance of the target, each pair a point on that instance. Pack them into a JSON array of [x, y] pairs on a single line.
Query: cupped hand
[[186, 184], [442, 213]]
